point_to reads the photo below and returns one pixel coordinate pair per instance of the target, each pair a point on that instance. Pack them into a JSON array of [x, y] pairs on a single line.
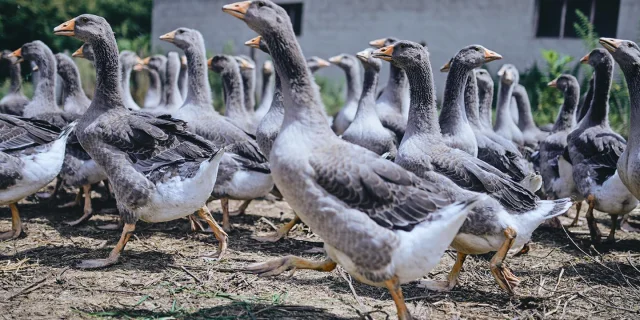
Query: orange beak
[[491, 55], [378, 43], [610, 44], [335, 59], [585, 59], [553, 84], [78, 53], [384, 53], [446, 67], [66, 29], [146, 60], [254, 43], [17, 54], [209, 62], [168, 36], [237, 9], [323, 63]]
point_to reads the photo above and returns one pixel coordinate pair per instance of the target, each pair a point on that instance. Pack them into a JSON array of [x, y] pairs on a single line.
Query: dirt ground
[[162, 274]]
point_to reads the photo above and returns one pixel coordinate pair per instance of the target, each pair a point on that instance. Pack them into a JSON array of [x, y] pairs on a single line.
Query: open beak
[[323, 63], [363, 55], [553, 84], [254, 43], [78, 53], [66, 29], [610, 44], [168, 37], [585, 59], [384, 53], [237, 9], [378, 43], [209, 62], [446, 67], [335, 59], [491, 55], [17, 54]]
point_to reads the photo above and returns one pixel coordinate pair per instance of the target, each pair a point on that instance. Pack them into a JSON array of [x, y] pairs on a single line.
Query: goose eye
[[477, 49], [261, 4], [85, 19], [180, 31], [630, 45]]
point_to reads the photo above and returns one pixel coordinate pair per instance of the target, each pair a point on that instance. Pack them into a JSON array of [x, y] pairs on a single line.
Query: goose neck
[[108, 94], [567, 115], [233, 93], [503, 111], [397, 83], [199, 91], [453, 113], [367, 103], [598, 113], [423, 117], [471, 101], [16, 78], [525, 117]]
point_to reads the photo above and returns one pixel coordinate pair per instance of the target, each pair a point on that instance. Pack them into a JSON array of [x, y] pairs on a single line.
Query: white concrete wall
[[335, 26]]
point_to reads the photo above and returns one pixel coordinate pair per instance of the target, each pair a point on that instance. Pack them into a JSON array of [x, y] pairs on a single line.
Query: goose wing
[[20, 133]]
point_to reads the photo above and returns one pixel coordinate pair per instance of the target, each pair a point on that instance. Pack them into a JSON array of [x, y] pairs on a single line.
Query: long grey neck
[[108, 93], [162, 73], [172, 93], [233, 93], [394, 93], [72, 83], [199, 92], [504, 99], [586, 103], [485, 95], [126, 80], [567, 115], [154, 86], [16, 78], [354, 84], [423, 116], [249, 87], [598, 113], [471, 101], [183, 81], [632, 75], [300, 95], [267, 86], [525, 118], [44, 96], [367, 104], [453, 115]]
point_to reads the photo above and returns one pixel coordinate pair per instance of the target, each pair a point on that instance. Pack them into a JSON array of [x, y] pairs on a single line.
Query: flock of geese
[[388, 183]]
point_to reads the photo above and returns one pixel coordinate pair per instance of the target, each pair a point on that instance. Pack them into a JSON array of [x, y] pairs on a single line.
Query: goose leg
[[241, 209], [575, 219], [222, 236], [16, 224], [591, 221], [278, 266], [452, 278], [396, 293], [280, 233], [127, 231], [614, 225], [505, 278], [88, 209], [625, 226], [54, 193], [195, 223], [226, 225], [73, 203]]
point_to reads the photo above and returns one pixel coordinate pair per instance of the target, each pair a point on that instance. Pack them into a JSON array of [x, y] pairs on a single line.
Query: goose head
[[564, 83], [368, 60], [182, 37], [316, 63], [221, 62], [85, 27], [129, 59], [267, 68], [245, 63], [403, 54], [66, 67], [383, 42], [262, 16], [35, 51], [344, 61], [598, 58], [625, 52], [509, 74], [483, 78]]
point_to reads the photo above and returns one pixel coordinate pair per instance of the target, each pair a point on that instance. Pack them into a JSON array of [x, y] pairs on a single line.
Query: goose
[[128, 59], [366, 130], [85, 51], [153, 97], [31, 155], [497, 224], [161, 173], [594, 150], [556, 171], [183, 78], [157, 65], [268, 88], [14, 101], [248, 169], [394, 98], [234, 97], [172, 97], [627, 54], [343, 190], [248, 73], [316, 63], [485, 99], [531, 134], [74, 99], [350, 65], [504, 125]]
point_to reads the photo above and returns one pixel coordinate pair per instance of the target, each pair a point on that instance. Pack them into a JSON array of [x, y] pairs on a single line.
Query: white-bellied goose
[[504, 125], [498, 224], [556, 171], [31, 155], [627, 55], [157, 169], [183, 79], [74, 99], [531, 134], [366, 130], [394, 98], [248, 73], [268, 87], [234, 98], [14, 101], [243, 153], [351, 67], [343, 191], [594, 150], [128, 60]]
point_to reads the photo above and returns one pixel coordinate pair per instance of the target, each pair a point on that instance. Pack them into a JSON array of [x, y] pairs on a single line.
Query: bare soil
[[162, 274]]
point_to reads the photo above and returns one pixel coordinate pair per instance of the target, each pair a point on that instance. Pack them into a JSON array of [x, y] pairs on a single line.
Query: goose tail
[[67, 130]]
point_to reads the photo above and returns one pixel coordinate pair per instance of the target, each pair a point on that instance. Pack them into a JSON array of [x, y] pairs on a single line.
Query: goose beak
[[363, 55], [146, 60], [384, 53], [491, 55], [35, 68], [168, 37], [17, 54], [585, 59], [66, 29], [378, 43], [209, 62], [237, 9], [254, 43], [553, 84], [446, 67], [335, 59], [78, 53], [183, 60], [610, 44], [323, 63], [245, 65]]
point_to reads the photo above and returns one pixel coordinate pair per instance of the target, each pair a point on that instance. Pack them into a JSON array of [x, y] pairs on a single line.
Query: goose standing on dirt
[[161, 173], [366, 130], [394, 99], [244, 169], [504, 221], [371, 234], [504, 125], [594, 150], [14, 101], [350, 65], [531, 134], [31, 155], [268, 87], [556, 171], [128, 60]]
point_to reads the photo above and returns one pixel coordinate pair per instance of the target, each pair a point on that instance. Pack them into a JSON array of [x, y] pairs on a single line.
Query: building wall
[[331, 27]]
